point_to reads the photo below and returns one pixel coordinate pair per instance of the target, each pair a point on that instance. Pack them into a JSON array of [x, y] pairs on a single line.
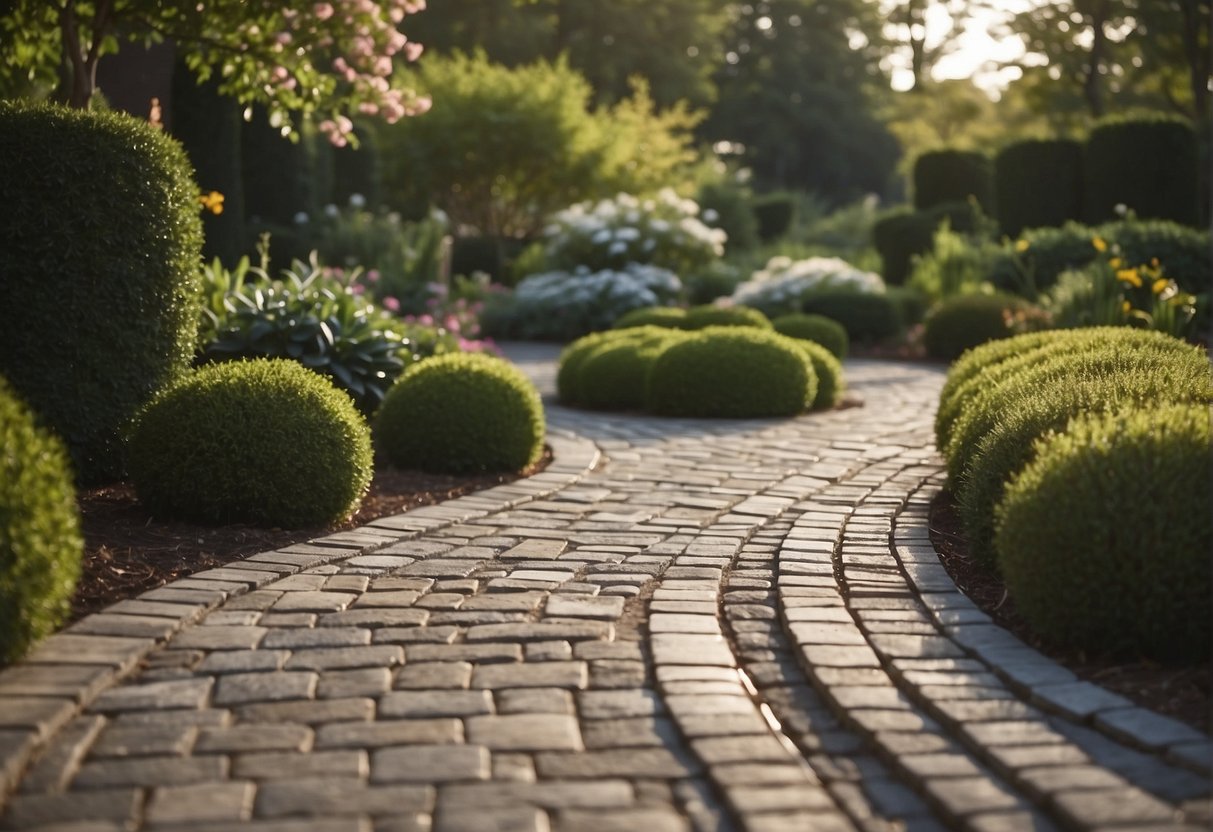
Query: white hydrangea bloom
[[784, 280]]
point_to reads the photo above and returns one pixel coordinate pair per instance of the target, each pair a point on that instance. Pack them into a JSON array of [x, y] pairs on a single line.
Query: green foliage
[[828, 369], [357, 171], [718, 279], [701, 317], [279, 175], [943, 176], [775, 212], [265, 442], [1104, 538], [568, 373], [956, 264], [615, 375], [1183, 253], [101, 242], [993, 439], [728, 205], [966, 321], [462, 412], [1040, 255], [732, 372], [1147, 163], [899, 236], [866, 317], [1038, 183], [816, 328], [911, 305], [40, 541], [671, 317]]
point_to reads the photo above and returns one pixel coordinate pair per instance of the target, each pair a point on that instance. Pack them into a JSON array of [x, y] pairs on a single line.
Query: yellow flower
[[1125, 306], [1160, 285], [1022, 246], [212, 202], [1115, 262], [1129, 276], [1099, 244]]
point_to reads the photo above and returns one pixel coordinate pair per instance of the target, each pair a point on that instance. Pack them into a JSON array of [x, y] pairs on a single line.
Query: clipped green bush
[[729, 204], [1147, 163], [950, 175], [568, 373], [966, 321], [900, 235], [462, 412], [40, 540], [265, 441], [816, 328], [614, 376], [775, 213], [1038, 183], [671, 317], [1104, 538], [701, 317], [867, 317], [828, 369], [1183, 253], [1044, 399], [101, 239], [732, 372], [910, 304], [1040, 255]]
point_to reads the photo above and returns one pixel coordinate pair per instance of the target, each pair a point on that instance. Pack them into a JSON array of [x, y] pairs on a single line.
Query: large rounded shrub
[[828, 369], [667, 316], [1104, 538], [867, 317], [615, 375], [40, 542], [899, 236], [101, 239], [461, 412], [1038, 182], [702, 317], [947, 175], [1149, 164], [568, 374], [732, 372], [816, 328], [263, 441], [966, 321]]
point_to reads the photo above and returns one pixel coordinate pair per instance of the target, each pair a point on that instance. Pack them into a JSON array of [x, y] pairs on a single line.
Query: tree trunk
[[1092, 86], [1198, 57], [916, 16]]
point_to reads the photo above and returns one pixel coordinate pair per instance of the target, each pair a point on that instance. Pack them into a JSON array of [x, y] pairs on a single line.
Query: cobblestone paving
[[681, 625]]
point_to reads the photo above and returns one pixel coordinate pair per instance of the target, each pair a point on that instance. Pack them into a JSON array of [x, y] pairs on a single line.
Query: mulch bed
[[127, 551], [1180, 692]]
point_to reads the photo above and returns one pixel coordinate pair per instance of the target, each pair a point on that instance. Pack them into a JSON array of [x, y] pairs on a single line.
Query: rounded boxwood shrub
[[266, 442], [966, 321], [1104, 538], [700, 317], [667, 316], [1184, 253], [732, 372], [1045, 399], [614, 376], [461, 412], [568, 373], [774, 213], [866, 317], [102, 239], [900, 235], [828, 369], [40, 541], [1147, 163], [816, 328], [1038, 183], [949, 175]]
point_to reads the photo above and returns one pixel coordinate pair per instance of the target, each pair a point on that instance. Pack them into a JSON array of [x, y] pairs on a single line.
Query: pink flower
[[413, 51], [391, 303], [323, 11], [372, 276]]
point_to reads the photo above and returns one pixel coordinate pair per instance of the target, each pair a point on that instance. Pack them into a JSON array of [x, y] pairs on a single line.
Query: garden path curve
[[680, 625]]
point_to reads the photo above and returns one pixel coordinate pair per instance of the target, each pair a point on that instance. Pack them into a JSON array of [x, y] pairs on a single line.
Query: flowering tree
[[326, 60]]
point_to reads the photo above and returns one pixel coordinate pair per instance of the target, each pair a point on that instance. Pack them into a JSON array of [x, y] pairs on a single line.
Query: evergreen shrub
[[700, 317], [1149, 164], [942, 176], [966, 321], [828, 369], [816, 328], [1038, 183], [671, 317], [867, 317], [615, 375]]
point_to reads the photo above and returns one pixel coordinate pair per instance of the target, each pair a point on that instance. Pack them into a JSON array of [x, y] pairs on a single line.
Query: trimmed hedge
[[461, 412], [966, 321], [775, 213], [701, 317], [1185, 253], [816, 328], [615, 374], [266, 442], [828, 369], [1038, 183], [866, 317], [900, 235], [942, 176], [102, 240], [672, 317], [1104, 538], [1147, 163], [732, 372], [40, 540], [568, 377]]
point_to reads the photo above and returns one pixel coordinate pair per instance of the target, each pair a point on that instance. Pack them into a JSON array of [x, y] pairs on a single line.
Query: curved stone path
[[680, 625]]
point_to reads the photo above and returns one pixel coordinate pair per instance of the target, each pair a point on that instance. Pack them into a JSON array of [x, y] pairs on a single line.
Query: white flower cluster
[[663, 231], [561, 303], [781, 284]]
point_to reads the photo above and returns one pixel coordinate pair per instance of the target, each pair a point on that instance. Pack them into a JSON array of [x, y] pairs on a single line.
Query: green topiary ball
[[828, 369], [265, 442], [867, 318], [1104, 538], [701, 317], [462, 412], [966, 321], [732, 372], [667, 316], [816, 328], [40, 541], [615, 375], [568, 374], [102, 239]]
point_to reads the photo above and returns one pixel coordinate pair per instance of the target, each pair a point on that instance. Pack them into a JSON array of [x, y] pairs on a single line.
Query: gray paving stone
[[1147, 728], [310, 713], [321, 796], [534, 701], [253, 738], [600, 794], [339, 658], [39, 810], [220, 638], [585, 606], [144, 741], [969, 795], [150, 771], [184, 693], [435, 674], [430, 764], [243, 661], [572, 675], [525, 732], [542, 631], [635, 732], [243, 688], [632, 763], [200, 803], [317, 637], [499, 819], [389, 733], [1107, 807], [293, 766], [436, 703]]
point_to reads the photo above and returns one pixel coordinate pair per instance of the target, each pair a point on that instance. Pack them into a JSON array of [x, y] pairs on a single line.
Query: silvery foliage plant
[[779, 287], [566, 304]]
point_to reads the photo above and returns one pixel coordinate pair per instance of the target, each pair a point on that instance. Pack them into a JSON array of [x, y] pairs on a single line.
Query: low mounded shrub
[[942, 176], [101, 238], [911, 304], [899, 236], [1038, 183], [568, 375], [734, 372], [701, 317], [1184, 253], [1104, 538], [614, 376], [1149, 164], [40, 541], [966, 321], [461, 412], [774, 213], [867, 318], [816, 328], [828, 369], [1040, 255], [266, 442], [672, 317]]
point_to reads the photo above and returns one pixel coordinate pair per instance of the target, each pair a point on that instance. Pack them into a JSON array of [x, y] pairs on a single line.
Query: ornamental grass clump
[[702, 317], [615, 375], [264, 441], [40, 540], [817, 328], [461, 413], [1104, 538], [736, 372]]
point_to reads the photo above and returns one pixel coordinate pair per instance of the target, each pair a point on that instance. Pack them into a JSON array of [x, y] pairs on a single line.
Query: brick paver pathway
[[681, 625]]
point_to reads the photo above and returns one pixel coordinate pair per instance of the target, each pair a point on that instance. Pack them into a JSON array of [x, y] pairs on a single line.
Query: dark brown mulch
[[1180, 692], [127, 551]]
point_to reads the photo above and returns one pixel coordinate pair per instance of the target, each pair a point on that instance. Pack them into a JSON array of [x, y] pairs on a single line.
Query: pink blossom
[[372, 276], [322, 11], [413, 51], [391, 303]]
